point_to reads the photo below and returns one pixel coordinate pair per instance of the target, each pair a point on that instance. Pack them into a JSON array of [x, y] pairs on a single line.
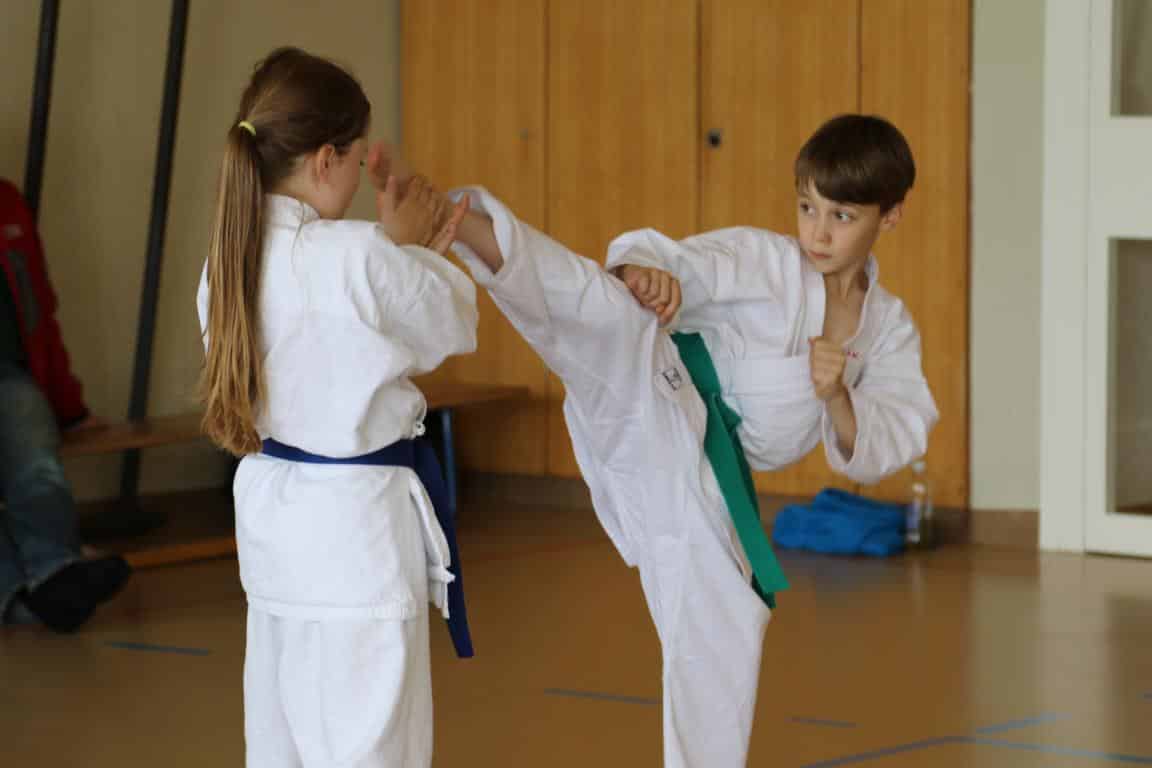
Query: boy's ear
[[892, 217]]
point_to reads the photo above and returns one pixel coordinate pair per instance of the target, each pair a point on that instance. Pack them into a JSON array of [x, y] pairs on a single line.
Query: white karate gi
[[637, 425], [339, 562], [756, 300]]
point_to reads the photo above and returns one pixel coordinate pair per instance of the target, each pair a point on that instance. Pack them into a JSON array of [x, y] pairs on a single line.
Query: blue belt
[[419, 456]]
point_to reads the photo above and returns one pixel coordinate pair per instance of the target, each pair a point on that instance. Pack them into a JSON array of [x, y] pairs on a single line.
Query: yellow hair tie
[[248, 127]]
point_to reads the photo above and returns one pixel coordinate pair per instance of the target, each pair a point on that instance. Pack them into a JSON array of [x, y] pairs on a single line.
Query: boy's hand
[[420, 217], [828, 361], [655, 289]]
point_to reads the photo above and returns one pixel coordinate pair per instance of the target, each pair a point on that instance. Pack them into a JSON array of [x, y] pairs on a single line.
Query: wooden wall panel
[[623, 120], [474, 113], [916, 58]]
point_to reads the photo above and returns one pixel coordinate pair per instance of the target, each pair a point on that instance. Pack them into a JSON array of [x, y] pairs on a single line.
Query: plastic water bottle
[[920, 519]]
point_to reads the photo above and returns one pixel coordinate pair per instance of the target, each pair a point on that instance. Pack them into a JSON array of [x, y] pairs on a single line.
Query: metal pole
[[146, 328], [41, 103]]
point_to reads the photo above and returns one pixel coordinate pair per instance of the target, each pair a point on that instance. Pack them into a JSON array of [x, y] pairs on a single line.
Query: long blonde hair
[[295, 104]]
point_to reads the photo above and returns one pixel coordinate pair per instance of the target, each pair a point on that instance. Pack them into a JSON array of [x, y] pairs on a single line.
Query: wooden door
[[773, 71], [915, 71], [622, 133]]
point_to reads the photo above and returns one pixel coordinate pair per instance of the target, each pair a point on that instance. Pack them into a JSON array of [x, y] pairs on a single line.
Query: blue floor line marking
[[602, 697], [158, 648], [827, 723], [1116, 757], [1015, 725], [886, 752], [1066, 751]]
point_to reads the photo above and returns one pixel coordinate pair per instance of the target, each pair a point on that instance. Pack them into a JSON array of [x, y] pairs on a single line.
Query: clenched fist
[[828, 361]]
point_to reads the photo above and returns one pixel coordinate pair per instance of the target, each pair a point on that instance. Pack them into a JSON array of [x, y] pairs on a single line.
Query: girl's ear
[[322, 161]]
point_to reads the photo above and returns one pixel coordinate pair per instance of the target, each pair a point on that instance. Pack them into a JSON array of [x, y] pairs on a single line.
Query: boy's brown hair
[[859, 159]]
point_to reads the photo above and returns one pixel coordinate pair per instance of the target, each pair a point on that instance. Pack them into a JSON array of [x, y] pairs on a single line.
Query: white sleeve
[[727, 265], [582, 321], [435, 317], [894, 409]]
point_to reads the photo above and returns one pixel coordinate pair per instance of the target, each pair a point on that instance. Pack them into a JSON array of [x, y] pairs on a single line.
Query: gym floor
[[965, 656]]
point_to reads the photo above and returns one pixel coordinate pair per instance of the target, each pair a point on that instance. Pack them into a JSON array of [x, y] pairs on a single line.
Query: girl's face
[[337, 177]]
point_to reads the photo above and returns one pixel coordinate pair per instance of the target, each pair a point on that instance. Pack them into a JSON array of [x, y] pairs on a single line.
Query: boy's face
[[837, 237]]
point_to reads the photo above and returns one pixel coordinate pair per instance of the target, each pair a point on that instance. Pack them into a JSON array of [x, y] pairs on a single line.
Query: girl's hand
[[447, 235], [392, 177], [655, 289], [416, 219], [383, 161]]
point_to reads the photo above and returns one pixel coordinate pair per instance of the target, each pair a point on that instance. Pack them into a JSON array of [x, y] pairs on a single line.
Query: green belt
[[734, 476]]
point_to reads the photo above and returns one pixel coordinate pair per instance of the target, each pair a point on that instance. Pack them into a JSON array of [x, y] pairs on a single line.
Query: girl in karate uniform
[[312, 327]]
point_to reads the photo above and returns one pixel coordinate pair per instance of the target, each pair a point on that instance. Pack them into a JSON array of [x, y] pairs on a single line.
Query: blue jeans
[[38, 533]]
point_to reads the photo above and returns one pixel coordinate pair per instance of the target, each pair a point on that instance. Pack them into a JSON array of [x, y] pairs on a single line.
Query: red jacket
[[22, 263]]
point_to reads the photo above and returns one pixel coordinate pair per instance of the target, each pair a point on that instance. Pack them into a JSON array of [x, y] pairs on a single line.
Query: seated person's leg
[[39, 516], [12, 581]]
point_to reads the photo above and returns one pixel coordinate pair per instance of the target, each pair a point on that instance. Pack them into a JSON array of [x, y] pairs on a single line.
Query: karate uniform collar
[[288, 211], [817, 299]]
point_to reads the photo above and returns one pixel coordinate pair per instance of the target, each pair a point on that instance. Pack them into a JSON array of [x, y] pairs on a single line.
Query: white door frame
[[1064, 243], [1095, 188]]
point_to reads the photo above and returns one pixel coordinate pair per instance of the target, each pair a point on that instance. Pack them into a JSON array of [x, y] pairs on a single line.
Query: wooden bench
[[444, 399], [116, 438]]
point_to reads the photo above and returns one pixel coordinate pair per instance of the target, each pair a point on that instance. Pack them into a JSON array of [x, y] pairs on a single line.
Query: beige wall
[[98, 180], [1007, 166], [17, 62]]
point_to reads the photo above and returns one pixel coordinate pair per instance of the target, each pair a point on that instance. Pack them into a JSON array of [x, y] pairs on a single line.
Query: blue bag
[[841, 523]]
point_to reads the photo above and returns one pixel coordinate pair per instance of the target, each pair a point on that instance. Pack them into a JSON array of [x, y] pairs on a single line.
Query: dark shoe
[[67, 599]]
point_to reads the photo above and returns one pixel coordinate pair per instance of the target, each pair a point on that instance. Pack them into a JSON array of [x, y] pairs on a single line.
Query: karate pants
[[348, 693]]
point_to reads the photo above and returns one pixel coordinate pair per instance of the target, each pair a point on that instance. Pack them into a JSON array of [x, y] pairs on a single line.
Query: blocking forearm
[[843, 416], [476, 232]]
